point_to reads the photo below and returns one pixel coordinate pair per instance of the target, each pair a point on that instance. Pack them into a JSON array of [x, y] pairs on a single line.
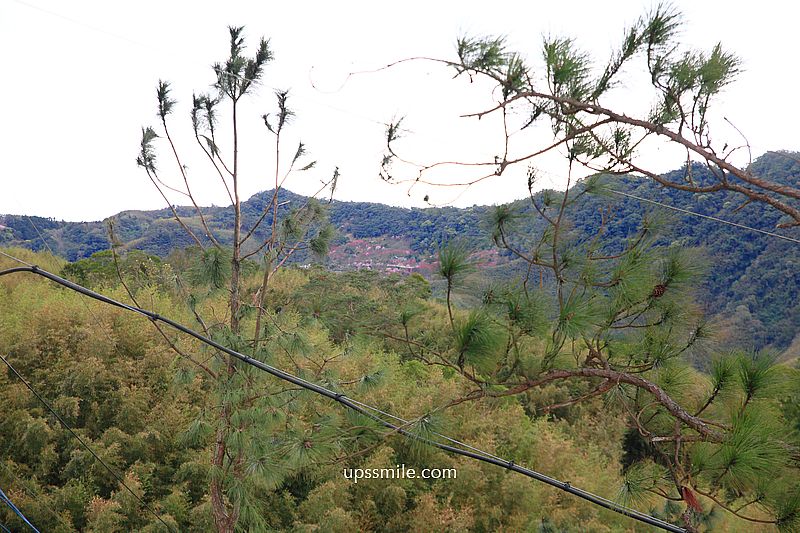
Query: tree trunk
[[225, 513], [262, 300], [222, 520]]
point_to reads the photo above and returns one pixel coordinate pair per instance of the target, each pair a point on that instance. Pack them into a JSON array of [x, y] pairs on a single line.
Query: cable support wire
[[17, 259], [17, 512], [687, 211], [31, 494], [181, 61], [708, 217], [78, 437], [363, 409]]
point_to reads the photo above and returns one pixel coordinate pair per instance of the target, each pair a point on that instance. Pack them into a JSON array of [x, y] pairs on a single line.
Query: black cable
[[85, 445], [351, 404]]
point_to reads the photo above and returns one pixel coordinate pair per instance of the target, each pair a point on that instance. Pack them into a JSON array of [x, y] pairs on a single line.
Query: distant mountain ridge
[[753, 280]]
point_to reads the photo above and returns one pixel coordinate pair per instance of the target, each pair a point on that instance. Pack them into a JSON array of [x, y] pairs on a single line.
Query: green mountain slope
[[753, 280]]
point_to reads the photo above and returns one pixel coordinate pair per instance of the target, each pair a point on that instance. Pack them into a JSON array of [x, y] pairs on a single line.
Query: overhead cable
[[708, 217], [21, 484], [5, 499], [83, 442]]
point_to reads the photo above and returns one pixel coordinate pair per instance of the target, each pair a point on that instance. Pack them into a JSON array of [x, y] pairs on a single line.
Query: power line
[[85, 25], [78, 437], [692, 213], [334, 108], [17, 512], [708, 217], [445, 437], [17, 259], [21, 484], [39, 233], [359, 407]]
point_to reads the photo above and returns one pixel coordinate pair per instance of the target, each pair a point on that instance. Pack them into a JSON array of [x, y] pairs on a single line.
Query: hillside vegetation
[[142, 408], [410, 346], [752, 282]]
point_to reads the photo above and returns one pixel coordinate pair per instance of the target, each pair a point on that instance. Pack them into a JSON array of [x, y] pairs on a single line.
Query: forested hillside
[[646, 304], [144, 409], [752, 281]]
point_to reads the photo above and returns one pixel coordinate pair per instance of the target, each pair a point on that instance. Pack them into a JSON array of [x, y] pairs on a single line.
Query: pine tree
[[611, 321], [249, 455], [620, 323], [569, 94]]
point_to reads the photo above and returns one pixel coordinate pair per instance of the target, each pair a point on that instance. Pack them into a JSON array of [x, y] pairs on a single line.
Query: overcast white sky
[[79, 80]]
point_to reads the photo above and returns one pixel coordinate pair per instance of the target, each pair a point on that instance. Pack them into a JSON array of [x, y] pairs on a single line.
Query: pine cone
[[658, 291]]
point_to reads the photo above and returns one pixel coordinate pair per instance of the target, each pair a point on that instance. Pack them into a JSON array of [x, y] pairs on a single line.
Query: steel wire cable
[[83, 442], [5, 499], [700, 215]]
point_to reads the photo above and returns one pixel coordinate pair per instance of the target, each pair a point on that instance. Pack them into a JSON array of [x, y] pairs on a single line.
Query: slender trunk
[[226, 514], [235, 275], [556, 267], [237, 230], [222, 520], [274, 235], [449, 308], [271, 246], [262, 302]]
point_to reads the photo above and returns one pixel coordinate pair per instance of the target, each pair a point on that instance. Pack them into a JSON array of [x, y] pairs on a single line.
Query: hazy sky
[[80, 77]]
